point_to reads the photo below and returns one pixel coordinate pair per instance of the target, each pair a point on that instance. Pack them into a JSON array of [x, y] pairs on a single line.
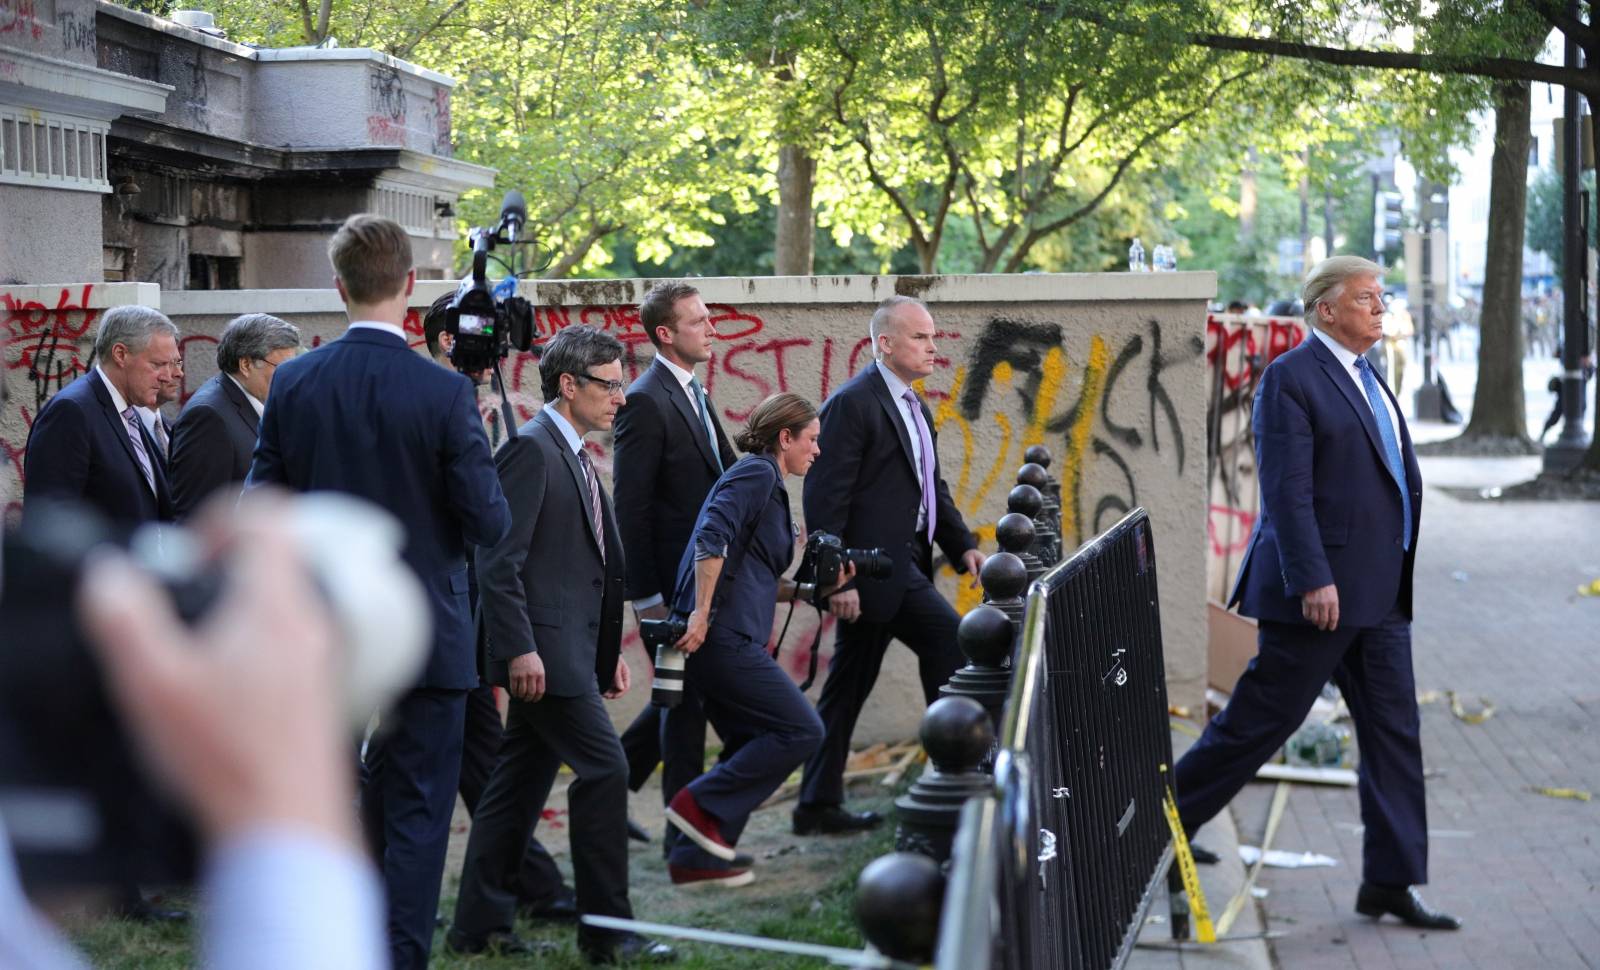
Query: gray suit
[[545, 588]]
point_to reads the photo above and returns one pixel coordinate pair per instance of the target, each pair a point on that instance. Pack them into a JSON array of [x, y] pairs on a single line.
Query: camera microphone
[[513, 214]]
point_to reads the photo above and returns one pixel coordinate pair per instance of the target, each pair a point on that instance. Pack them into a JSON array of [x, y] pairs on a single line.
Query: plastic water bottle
[[1136, 256], [1172, 259], [1158, 259]]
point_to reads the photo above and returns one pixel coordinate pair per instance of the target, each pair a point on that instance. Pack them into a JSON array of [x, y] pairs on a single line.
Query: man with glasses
[[551, 596], [215, 435]]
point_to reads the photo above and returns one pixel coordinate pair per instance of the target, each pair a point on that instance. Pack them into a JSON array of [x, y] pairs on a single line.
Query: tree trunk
[[1498, 407], [797, 180]]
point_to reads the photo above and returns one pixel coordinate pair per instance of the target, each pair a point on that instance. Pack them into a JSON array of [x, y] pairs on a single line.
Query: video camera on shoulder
[[78, 806], [661, 636], [826, 554], [487, 323]]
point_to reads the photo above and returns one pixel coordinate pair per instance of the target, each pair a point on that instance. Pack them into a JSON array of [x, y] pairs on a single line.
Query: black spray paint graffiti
[[77, 33], [1023, 346], [387, 93]]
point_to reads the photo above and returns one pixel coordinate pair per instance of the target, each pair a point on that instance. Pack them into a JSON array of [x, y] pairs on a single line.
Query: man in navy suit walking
[[368, 415], [1328, 575]]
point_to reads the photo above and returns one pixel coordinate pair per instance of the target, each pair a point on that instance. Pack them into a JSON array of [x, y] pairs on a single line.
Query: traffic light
[[1387, 217]]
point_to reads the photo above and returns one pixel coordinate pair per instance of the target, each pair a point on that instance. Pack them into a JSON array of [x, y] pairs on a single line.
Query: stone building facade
[[137, 149]]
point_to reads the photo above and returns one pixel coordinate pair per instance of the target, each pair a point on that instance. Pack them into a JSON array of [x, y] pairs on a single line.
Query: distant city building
[[134, 148]]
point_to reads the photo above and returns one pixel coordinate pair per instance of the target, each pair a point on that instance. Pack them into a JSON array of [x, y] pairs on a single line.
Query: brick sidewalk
[[1498, 617]]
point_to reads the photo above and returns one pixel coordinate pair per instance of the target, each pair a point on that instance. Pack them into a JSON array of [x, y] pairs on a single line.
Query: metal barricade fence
[[1058, 868]]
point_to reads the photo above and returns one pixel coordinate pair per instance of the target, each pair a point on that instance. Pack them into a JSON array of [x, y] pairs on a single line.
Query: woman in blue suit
[[730, 581]]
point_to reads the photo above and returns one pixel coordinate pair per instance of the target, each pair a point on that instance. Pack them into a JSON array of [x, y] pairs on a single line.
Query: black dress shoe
[[1203, 855], [1404, 902], [147, 912], [627, 949], [832, 820], [562, 909], [636, 832], [497, 944]]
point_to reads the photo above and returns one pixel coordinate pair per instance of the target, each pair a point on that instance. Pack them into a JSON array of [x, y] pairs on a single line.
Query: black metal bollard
[[985, 636], [1040, 455], [1015, 534], [1004, 577], [1047, 536], [898, 900], [957, 734]]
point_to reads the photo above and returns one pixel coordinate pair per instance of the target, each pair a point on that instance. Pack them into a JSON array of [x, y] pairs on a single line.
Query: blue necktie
[[705, 419], [1391, 444]]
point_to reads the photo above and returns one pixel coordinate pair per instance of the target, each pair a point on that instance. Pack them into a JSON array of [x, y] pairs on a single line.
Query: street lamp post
[[1568, 449]]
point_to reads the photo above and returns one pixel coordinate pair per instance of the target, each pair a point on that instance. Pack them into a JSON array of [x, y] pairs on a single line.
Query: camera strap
[[507, 415]]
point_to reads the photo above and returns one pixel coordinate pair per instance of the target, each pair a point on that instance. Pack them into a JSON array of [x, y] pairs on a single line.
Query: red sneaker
[[685, 878], [688, 817]]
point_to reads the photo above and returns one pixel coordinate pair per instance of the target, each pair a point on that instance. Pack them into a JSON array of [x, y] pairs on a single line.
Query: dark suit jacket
[[746, 518], [78, 449], [662, 468], [863, 488], [369, 416], [211, 444], [543, 587], [1330, 509]]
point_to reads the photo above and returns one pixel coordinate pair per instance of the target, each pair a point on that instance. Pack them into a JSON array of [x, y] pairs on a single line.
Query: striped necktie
[[130, 417], [594, 501]]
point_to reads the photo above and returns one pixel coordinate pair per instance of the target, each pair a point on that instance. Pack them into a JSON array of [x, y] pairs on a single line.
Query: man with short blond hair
[[367, 415], [1327, 574]]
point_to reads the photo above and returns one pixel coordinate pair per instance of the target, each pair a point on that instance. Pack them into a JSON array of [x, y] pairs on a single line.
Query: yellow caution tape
[[1203, 930], [1590, 589], [1576, 794], [1184, 727]]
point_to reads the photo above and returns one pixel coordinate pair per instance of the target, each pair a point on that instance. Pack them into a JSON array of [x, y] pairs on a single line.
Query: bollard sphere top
[[1032, 474], [1038, 455], [985, 636], [1014, 532], [1004, 576], [898, 899], [1026, 499], [957, 733]]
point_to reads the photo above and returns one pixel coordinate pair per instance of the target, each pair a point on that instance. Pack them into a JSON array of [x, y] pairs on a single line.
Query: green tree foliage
[[1544, 214]]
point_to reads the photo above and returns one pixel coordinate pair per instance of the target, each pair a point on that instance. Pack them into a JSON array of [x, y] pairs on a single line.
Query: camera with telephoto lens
[[487, 324], [826, 555], [661, 635], [77, 805]]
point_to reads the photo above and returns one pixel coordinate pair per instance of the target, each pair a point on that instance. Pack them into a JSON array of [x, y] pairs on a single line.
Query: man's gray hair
[[884, 313], [132, 327], [1327, 278], [574, 350], [252, 337]]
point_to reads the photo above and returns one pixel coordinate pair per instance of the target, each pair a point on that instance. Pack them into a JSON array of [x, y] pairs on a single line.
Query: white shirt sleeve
[[278, 897]]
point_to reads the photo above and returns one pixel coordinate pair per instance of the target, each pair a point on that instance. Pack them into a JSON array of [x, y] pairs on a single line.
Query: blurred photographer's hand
[[696, 633], [239, 715], [846, 574]]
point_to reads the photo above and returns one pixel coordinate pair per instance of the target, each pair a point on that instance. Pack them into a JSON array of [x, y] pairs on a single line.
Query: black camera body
[[485, 323], [660, 637], [826, 555]]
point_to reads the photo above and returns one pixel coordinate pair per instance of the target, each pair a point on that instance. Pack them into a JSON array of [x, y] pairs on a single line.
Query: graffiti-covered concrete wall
[[1108, 371]]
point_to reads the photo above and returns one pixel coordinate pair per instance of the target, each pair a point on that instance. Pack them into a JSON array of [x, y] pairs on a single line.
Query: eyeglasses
[[270, 363], [612, 387]]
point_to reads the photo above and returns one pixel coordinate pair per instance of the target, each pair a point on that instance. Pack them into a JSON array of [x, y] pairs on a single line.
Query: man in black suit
[[542, 894], [877, 484], [88, 444], [669, 449], [215, 435], [369, 416], [551, 598]]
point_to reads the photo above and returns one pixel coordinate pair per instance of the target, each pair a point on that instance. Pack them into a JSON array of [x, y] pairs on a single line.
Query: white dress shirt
[[1347, 360], [897, 390], [378, 325], [259, 406]]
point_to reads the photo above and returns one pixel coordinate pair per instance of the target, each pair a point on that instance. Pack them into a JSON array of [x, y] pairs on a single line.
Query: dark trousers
[[759, 713], [641, 742], [539, 882], [1372, 667], [927, 624], [408, 794], [539, 738]]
